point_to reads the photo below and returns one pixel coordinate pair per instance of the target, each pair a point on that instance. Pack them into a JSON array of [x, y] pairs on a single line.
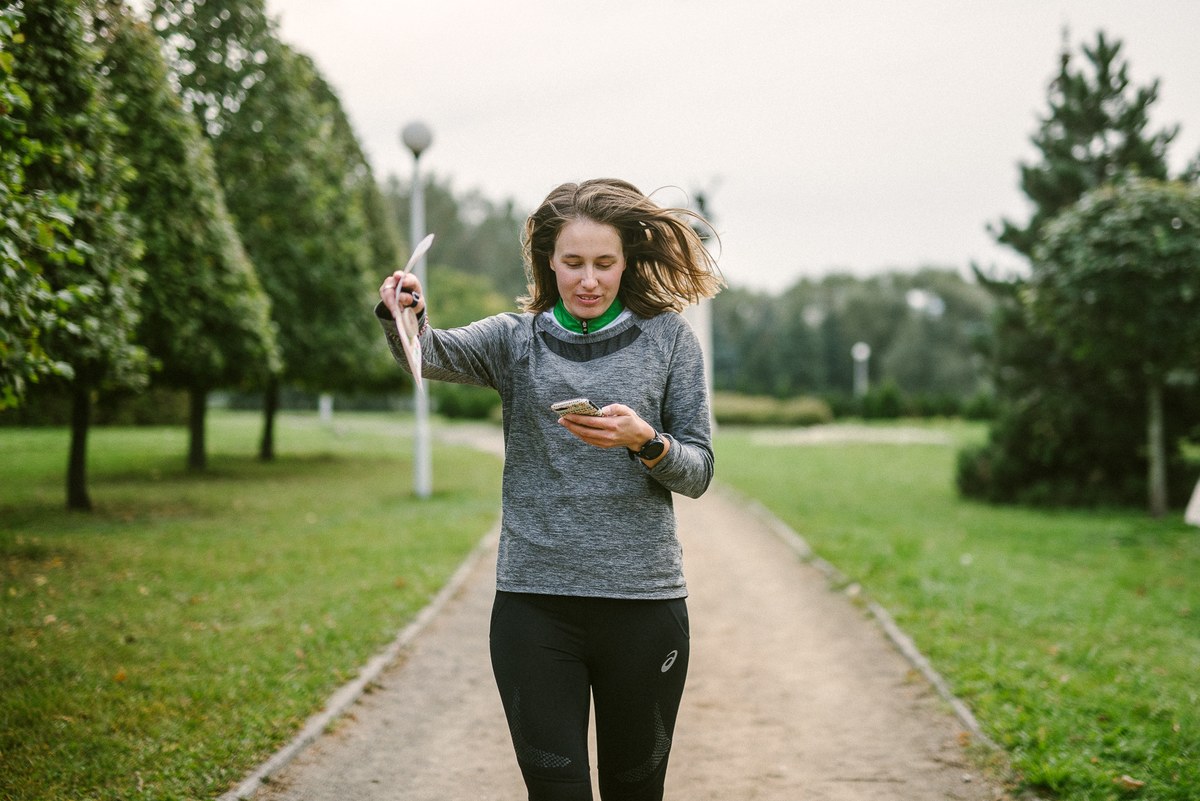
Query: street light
[[417, 137], [861, 352], [699, 314]]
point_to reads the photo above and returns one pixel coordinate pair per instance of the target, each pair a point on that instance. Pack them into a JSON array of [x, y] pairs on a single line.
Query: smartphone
[[576, 406]]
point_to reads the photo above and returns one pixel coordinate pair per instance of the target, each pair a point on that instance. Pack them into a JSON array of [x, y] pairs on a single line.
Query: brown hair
[[667, 266]]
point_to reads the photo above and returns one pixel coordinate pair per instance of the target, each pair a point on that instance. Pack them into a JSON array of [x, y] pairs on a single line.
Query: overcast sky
[[848, 135]]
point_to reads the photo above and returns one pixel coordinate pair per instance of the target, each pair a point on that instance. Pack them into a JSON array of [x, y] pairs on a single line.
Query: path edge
[[852, 590], [346, 696]]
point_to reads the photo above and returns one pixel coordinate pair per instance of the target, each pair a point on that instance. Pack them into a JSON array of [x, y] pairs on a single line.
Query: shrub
[[980, 406], [49, 404], [884, 403], [1049, 470], [460, 401], [759, 410]]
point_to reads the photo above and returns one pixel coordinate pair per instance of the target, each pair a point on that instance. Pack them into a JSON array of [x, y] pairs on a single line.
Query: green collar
[[586, 326]]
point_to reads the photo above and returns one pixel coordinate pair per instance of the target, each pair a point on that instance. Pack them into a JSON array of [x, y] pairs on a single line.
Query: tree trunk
[[1156, 451], [197, 452], [266, 451], [81, 412]]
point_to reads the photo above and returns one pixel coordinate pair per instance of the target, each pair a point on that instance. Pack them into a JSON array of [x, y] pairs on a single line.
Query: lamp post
[[417, 137], [699, 314], [861, 352]]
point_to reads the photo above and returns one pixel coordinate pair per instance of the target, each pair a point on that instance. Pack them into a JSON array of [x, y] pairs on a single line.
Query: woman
[[590, 590]]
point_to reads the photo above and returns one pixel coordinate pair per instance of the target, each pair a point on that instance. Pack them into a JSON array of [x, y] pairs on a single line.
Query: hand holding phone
[[576, 406]]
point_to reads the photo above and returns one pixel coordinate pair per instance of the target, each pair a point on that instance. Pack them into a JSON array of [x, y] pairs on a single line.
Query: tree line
[[185, 204], [927, 327], [186, 208], [926, 330]]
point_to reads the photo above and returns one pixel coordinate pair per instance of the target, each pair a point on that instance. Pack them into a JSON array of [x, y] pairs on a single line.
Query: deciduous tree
[[474, 234], [205, 317], [292, 182], [921, 327], [29, 221], [96, 281], [1116, 284]]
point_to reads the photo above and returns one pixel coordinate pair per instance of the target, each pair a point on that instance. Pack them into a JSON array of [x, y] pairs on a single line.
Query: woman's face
[[588, 262]]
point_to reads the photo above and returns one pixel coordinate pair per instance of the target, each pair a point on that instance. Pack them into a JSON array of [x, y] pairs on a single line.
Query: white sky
[[855, 135]]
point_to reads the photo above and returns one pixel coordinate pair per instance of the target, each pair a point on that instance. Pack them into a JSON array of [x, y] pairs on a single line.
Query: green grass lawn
[[164, 645], [1074, 636]]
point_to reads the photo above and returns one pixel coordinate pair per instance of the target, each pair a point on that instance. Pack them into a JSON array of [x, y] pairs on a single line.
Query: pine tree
[[1095, 131]]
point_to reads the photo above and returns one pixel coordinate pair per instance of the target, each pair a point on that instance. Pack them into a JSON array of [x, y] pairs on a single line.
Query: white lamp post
[[861, 352], [417, 137], [699, 314]]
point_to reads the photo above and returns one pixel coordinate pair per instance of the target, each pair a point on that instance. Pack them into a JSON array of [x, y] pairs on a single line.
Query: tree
[[1059, 436], [744, 340], [867, 310], [1095, 131], [933, 351], [459, 298], [367, 207], [1116, 284], [205, 317], [305, 229], [799, 348], [476, 235], [922, 328], [292, 182], [218, 50], [29, 222], [96, 280]]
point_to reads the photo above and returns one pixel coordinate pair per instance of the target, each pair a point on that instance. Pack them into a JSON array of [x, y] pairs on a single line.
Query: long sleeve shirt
[[577, 519]]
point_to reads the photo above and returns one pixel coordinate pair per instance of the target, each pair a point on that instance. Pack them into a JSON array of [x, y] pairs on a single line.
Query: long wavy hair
[[667, 266]]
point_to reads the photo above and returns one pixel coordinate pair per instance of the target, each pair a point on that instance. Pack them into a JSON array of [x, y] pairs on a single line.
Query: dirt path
[[793, 693]]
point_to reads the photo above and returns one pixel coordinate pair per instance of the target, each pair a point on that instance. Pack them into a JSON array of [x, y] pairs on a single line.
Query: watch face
[[652, 449]]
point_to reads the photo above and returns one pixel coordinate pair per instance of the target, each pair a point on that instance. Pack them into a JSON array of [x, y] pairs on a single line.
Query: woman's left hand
[[618, 426]]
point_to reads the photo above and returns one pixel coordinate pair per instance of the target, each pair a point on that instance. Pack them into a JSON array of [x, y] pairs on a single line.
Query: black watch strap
[[652, 449]]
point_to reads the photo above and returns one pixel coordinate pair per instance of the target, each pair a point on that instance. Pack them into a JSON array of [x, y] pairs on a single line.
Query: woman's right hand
[[410, 295]]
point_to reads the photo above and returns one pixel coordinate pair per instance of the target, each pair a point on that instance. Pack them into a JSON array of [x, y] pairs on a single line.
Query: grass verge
[[1074, 636], [164, 645]]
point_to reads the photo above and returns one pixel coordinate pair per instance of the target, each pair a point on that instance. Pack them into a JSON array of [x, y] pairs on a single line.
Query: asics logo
[[671, 657]]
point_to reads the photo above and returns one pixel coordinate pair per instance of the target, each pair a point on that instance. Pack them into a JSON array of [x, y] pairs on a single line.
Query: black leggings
[[549, 651]]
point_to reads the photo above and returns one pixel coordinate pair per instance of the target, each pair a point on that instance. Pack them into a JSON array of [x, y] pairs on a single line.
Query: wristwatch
[[652, 449]]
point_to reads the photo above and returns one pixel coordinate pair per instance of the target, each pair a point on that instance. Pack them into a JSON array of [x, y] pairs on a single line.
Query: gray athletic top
[[577, 519]]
